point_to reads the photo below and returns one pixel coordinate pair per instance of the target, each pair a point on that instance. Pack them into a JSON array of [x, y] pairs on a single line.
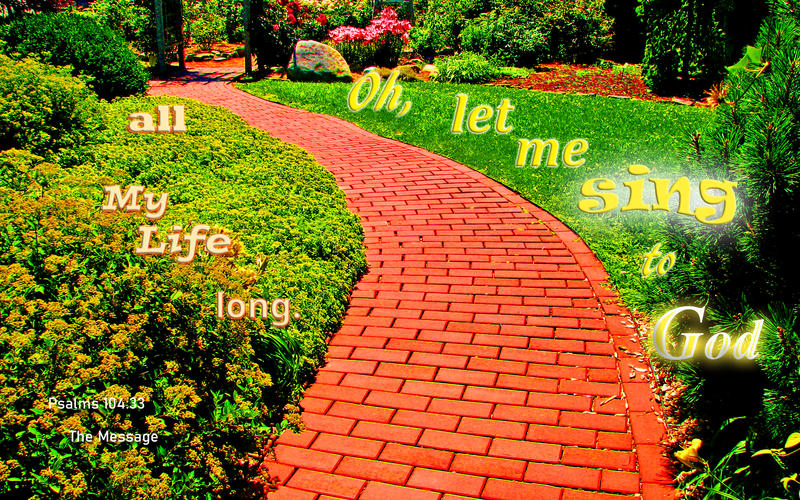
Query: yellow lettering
[[502, 114], [140, 123], [538, 152], [479, 114], [575, 147], [390, 88], [661, 329], [457, 127], [664, 192], [610, 200], [666, 263], [352, 97], [636, 197], [703, 214]]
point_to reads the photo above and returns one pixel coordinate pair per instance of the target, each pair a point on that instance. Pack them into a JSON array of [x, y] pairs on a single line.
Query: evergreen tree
[[748, 269]]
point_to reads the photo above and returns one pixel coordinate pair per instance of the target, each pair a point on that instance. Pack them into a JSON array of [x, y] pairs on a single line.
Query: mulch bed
[[591, 80]]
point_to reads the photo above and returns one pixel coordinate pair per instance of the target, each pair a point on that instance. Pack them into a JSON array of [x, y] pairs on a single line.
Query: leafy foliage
[[207, 23], [14, 8], [78, 41], [123, 16], [507, 37], [578, 30], [441, 23], [684, 46], [747, 270], [45, 110], [515, 31], [84, 318]]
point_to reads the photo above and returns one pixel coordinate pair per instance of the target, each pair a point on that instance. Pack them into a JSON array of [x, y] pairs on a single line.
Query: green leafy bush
[[506, 37], [78, 41], [234, 27], [85, 318], [440, 24], [123, 16], [466, 67], [208, 25], [684, 45], [45, 110], [577, 30], [524, 30]]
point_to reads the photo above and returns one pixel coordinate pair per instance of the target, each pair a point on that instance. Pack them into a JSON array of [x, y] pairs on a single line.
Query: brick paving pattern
[[480, 357]]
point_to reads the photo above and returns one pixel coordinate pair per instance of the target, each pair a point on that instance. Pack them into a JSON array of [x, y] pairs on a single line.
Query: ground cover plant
[[84, 318], [619, 132]]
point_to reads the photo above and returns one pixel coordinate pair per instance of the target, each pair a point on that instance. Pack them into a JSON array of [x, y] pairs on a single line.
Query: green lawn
[[619, 132]]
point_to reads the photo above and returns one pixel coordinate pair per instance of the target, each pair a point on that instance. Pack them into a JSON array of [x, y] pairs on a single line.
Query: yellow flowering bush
[[84, 319]]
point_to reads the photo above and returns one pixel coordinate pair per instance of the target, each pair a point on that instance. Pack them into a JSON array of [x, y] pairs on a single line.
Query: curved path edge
[[435, 388]]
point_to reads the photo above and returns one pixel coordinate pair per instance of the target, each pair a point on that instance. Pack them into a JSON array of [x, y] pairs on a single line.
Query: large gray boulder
[[315, 61]]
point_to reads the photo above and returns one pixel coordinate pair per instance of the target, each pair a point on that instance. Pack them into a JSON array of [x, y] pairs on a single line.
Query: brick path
[[480, 357]]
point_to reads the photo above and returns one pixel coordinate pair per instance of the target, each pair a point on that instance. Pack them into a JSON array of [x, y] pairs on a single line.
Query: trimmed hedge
[[83, 317], [80, 42]]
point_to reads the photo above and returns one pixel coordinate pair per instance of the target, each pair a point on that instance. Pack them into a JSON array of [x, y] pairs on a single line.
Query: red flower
[[321, 19]]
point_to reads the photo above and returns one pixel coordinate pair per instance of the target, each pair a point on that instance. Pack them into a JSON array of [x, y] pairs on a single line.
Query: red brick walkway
[[480, 357]]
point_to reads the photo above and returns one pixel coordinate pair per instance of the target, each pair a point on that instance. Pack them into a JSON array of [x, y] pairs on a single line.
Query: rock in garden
[[317, 62], [430, 69], [203, 56]]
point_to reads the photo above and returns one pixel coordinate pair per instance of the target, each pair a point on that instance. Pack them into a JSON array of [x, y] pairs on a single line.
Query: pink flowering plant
[[280, 24], [380, 43]]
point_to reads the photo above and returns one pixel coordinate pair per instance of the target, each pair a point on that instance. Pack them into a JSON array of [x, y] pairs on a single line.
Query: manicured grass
[[620, 133]]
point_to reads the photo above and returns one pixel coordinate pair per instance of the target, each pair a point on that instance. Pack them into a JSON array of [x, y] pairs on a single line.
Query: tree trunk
[[248, 63], [160, 40], [181, 40]]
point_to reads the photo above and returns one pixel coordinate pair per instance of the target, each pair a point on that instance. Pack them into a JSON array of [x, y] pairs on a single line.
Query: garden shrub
[[12, 8], [146, 40], [234, 27], [684, 45], [78, 41], [577, 30], [45, 110], [506, 37], [86, 318], [466, 67], [207, 23], [123, 16], [441, 23], [747, 269]]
